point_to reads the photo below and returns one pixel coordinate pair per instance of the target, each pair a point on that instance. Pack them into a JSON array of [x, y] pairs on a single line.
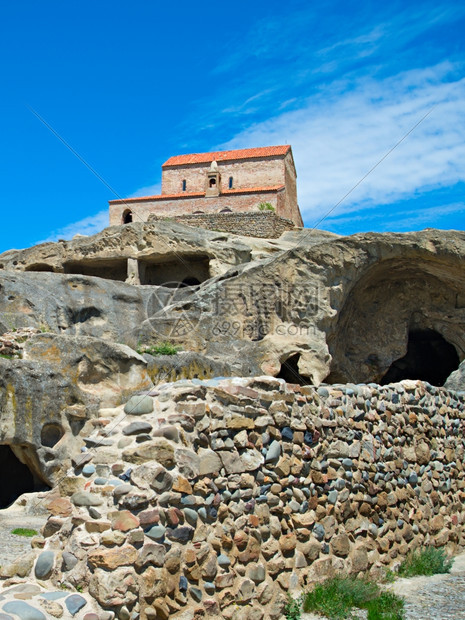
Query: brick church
[[219, 183]]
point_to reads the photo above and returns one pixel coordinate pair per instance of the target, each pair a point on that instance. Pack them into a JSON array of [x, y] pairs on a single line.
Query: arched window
[[127, 217], [197, 212], [184, 185], [230, 184], [212, 182], [226, 210]]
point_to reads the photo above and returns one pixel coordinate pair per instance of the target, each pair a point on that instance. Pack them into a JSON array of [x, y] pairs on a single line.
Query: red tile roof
[[245, 190], [202, 158], [159, 197], [253, 190]]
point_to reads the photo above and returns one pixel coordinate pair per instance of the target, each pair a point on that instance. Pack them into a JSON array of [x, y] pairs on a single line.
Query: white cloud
[[148, 190], [405, 219], [338, 135], [87, 226], [94, 224]]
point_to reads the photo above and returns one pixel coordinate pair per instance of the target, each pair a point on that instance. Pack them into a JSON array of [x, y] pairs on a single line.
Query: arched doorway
[[429, 358], [127, 217]]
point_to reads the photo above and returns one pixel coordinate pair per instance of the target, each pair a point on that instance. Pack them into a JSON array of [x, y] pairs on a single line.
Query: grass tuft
[[336, 597], [161, 348], [24, 531], [427, 561], [386, 606], [293, 609]]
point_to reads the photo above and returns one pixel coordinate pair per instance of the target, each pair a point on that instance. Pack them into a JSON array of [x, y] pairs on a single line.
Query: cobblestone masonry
[[215, 498], [266, 225]]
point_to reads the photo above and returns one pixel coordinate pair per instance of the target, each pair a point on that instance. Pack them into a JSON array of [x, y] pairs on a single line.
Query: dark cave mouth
[[430, 357], [290, 371], [19, 479]]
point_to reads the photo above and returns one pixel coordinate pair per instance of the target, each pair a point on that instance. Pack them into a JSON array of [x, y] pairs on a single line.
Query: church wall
[[263, 172], [290, 209], [141, 209]]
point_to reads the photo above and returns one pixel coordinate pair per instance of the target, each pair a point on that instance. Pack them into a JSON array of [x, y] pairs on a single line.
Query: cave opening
[[19, 479], [429, 358], [178, 270], [39, 267], [190, 282], [290, 371], [108, 268]]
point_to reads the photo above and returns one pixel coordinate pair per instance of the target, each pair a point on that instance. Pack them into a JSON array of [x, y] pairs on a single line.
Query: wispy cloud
[[286, 59], [95, 223], [87, 226], [148, 190], [339, 135], [402, 219]]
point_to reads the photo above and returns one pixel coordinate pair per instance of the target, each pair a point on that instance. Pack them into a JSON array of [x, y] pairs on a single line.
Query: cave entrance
[[108, 268], [17, 480], [190, 282], [290, 371], [39, 267], [429, 358], [175, 271]]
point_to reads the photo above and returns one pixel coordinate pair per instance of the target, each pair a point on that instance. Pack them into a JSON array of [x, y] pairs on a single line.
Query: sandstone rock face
[[71, 305], [188, 365], [309, 306], [221, 495], [456, 380], [107, 253], [100, 368], [47, 397], [343, 310], [38, 406]]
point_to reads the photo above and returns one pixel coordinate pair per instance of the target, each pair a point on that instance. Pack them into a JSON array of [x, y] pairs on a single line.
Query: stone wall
[[215, 498], [264, 224]]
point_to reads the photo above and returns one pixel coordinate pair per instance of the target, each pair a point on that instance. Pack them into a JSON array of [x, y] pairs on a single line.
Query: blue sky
[[130, 84]]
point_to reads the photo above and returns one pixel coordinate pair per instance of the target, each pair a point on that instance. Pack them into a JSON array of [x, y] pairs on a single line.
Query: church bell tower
[[213, 181]]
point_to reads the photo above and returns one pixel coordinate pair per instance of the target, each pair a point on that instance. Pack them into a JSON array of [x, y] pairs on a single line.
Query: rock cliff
[[310, 304], [331, 446]]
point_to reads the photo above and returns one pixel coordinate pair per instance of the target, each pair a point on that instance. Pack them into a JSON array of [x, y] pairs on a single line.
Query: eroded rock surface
[[48, 397], [309, 306], [343, 310], [456, 380]]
